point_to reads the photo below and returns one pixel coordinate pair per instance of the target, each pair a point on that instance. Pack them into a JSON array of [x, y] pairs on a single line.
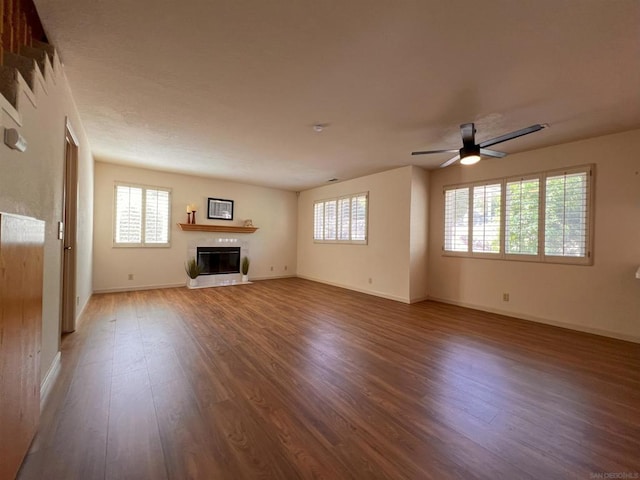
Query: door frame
[[69, 229]]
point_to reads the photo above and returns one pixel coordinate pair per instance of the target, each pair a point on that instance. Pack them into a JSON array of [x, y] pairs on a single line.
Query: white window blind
[[157, 217], [128, 214], [342, 220], [546, 217], [330, 217], [456, 220], [318, 220], [359, 218], [566, 214], [141, 216], [486, 218], [521, 216]]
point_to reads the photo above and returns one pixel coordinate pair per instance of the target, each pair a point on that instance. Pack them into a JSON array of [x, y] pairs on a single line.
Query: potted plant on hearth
[[193, 269], [245, 269]]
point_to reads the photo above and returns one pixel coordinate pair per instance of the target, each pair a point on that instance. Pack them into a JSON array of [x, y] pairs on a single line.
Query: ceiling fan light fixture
[[470, 159], [469, 154]]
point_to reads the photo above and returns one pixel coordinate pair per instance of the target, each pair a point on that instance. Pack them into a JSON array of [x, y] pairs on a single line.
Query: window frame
[[337, 225], [144, 189], [541, 256]]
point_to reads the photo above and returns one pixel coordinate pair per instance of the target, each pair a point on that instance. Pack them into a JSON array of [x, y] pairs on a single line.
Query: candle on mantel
[[189, 208]]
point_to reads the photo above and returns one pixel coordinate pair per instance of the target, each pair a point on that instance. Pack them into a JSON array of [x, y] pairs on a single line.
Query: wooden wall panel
[[21, 264]]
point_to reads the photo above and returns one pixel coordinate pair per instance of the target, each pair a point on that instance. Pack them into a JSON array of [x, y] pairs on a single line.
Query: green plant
[[245, 265], [193, 268]]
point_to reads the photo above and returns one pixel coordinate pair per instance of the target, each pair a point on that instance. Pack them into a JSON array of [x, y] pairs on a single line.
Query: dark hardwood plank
[[294, 379]]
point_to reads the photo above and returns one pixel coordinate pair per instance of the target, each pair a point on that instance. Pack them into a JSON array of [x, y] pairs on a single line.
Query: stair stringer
[[18, 89]]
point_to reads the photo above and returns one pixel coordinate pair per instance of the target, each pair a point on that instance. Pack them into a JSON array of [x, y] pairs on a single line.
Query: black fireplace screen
[[219, 260]]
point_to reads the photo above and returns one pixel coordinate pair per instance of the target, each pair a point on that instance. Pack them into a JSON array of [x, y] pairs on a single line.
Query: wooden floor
[[288, 379]]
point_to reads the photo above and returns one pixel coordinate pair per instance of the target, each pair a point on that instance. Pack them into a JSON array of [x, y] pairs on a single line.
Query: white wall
[[386, 259], [273, 211], [31, 184], [602, 298]]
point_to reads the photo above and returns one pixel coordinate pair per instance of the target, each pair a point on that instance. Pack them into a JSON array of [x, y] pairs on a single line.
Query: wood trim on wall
[[21, 258]]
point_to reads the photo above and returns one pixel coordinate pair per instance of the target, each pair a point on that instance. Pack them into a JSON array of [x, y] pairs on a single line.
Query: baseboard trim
[[81, 312], [49, 379], [139, 287], [546, 321], [355, 289], [172, 285], [251, 278], [419, 299]]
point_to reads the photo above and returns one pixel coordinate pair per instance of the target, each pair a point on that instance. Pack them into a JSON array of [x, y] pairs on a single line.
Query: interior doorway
[[68, 230]]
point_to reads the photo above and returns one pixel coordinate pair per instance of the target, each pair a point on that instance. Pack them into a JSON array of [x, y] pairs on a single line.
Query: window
[[546, 217], [486, 218], [566, 209], [318, 220], [456, 223], [341, 220], [359, 217], [141, 216], [522, 204], [330, 218]]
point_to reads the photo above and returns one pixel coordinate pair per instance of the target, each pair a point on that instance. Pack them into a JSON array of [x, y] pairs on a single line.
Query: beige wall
[[602, 298], [31, 184], [419, 233], [273, 245], [387, 257]]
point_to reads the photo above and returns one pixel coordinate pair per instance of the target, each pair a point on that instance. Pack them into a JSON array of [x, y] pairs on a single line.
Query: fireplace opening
[[218, 260]]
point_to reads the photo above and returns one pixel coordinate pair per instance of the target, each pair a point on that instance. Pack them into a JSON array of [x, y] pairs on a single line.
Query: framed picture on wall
[[220, 209]]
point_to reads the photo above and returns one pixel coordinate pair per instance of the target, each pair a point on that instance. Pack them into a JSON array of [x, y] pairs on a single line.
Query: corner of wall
[[419, 235]]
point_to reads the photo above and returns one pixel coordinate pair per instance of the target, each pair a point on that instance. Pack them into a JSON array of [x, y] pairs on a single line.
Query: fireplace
[[218, 260]]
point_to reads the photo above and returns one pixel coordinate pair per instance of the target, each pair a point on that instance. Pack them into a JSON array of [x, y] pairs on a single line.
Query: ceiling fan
[[471, 152]]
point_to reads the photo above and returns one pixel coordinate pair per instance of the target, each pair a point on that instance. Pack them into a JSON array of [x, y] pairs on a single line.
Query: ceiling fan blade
[[450, 161], [492, 153], [427, 152], [512, 135], [468, 131]]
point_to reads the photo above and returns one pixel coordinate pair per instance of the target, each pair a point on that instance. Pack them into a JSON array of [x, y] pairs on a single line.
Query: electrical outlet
[[285, 268], [131, 276], [505, 297], [272, 268], [370, 280]]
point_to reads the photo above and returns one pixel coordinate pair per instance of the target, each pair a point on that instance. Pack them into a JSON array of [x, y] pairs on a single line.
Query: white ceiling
[[231, 89]]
